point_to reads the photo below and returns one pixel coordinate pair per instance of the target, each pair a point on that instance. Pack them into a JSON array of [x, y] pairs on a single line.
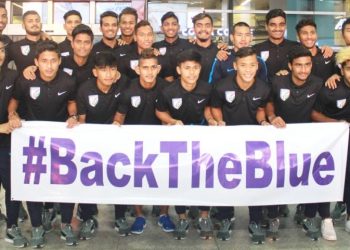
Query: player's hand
[[5, 128], [121, 42], [116, 123], [222, 55], [44, 36], [222, 46], [282, 72], [15, 122], [221, 123], [331, 83], [192, 40], [265, 123], [212, 122], [327, 51], [72, 121], [278, 122], [176, 122], [29, 72]]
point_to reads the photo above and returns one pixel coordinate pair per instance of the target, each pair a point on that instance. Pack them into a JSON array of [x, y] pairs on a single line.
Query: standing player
[[240, 37], [130, 55], [138, 107], [172, 44], [241, 100], [128, 19], [293, 98], [7, 82], [97, 101], [50, 97], [109, 29], [333, 106], [186, 102], [72, 19]]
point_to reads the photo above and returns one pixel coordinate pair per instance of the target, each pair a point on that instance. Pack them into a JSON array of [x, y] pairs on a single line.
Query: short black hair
[[142, 23], [168, 15], [129, 11], [239, 24], [244, 52], [105, 59], [346, 22], [108, 13], [29, 12], [2, 6], [148, 54], [47, 45], [298, 51], [305, 22], [4, 40], [71, 13], [275, 13], [82, 29], [201, 16], [188, 55]]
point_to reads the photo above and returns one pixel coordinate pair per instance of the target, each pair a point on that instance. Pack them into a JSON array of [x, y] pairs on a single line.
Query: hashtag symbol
[[31, 166]]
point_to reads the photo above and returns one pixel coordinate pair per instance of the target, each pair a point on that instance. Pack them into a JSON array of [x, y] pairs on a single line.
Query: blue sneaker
[[138, 225], [166, 223]]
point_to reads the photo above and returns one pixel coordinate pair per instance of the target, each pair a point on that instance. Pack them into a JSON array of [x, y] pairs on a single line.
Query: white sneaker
[[327, 229], [347, 224]]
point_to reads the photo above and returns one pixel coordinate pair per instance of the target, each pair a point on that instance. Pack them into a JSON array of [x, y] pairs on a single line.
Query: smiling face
[[203, 29], [246, 68], [276, 28], [109, 27], [3, 19], [308, 36], [170, 27]]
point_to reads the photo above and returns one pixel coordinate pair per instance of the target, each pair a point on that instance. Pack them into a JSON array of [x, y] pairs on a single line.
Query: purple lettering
[[280, 164], [199, 160], [97, 168], [173, 148], [57, 145], [223, 170], [295, 180], [144, 169], [252, 164], [111, 165], [318, 167]]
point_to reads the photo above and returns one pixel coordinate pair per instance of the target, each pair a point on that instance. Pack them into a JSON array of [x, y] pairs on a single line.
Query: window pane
[[19, 8], [61, 8], [116, 7]]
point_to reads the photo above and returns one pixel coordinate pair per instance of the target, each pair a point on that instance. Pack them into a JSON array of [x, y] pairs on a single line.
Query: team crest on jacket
[[134, 64], [284, 94], [162, 51], [135, 101], [25, 49], [341, 103], [34, 92], [230, 96], [264, 55], [93, 100], [176, 102]]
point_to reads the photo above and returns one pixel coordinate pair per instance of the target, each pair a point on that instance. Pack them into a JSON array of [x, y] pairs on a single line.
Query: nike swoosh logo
[[256, 98], [122, 54], [8, 87], [326, 62], [61, 93], [200, 101], [116, 96], [311, 95]]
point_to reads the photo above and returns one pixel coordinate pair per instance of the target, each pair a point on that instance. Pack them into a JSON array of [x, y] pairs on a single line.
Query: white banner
[[179, 165]]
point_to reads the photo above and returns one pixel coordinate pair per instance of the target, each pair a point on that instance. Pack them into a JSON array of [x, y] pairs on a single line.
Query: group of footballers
[[131, 79]]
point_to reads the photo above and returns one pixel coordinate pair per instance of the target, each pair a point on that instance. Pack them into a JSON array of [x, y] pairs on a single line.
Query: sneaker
[[38, 237], [15, 237], [327, 229], [256, 233], [181, 229], [48, 219], [138, 225], [22, 214], [224, 233], [87, 229], [155, 211], [299, 214], [205, 228], [309, 226], [68, 235], [122, 226], [347, 224], [166, 223], [272, 231], [283, 211], [338, 211]]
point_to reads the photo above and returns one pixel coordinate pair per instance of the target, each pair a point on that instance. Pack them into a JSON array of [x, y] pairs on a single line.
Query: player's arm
[[166, 118], [261, 116], [119, 119], [209, 117], [5, 128], [276, 121], [217, 115], [319, 117], [13, 117], [73, 118]]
